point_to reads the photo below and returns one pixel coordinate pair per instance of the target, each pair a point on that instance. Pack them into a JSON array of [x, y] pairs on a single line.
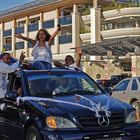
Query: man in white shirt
[[5, 69]]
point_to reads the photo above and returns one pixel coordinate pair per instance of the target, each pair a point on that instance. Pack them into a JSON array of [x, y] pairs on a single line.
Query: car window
[[134, 85], [122, 86], [87, 85], [47, 85]]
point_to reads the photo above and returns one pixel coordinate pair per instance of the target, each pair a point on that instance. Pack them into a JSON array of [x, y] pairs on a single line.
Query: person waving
[[42, 48]]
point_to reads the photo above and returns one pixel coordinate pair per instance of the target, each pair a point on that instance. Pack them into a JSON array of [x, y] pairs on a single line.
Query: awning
[[118, 46]]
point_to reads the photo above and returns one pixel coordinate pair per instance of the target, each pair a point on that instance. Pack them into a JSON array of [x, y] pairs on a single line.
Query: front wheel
[[136, 105], [33, 134]]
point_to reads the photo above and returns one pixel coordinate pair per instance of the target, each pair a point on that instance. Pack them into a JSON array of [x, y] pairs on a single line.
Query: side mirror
[[12, 95]]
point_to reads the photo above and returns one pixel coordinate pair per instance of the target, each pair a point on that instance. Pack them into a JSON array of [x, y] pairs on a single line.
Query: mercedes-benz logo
[[103, 121]]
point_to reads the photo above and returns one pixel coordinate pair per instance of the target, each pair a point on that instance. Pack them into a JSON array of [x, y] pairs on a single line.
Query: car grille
[[91, 122]]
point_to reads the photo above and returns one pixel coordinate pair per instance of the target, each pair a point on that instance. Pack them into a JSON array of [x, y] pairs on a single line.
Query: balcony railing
[[65, 20], [7, 33], [33, 27], [8, 47], [48, 24], [65, 39], [108, 34], [111, 26], [19, 45], [19, 30]]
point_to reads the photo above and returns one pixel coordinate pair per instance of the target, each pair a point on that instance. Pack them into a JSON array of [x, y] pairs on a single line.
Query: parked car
[[108, 84], [128, 90], [34, 109], [115, 79]]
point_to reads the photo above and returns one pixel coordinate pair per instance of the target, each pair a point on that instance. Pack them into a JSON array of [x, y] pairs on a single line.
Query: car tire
[[136, 105], [33, 133]]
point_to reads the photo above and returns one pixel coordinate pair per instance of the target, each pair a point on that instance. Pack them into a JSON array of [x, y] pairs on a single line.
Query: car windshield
[[46, 85]]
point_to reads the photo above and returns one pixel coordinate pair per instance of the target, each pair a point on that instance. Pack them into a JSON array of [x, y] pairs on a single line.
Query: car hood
[[78, 105]]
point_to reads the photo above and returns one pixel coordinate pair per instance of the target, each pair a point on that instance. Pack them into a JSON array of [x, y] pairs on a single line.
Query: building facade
[[83, 22]]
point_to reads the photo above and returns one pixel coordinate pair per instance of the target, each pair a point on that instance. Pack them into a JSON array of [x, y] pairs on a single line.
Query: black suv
[[63, 104]]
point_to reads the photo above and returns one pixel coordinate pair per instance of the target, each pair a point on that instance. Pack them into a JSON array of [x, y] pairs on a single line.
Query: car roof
[[129, 78], [57, 70]]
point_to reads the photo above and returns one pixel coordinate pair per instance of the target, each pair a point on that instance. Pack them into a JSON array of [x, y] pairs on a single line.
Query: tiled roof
[[28, 6]]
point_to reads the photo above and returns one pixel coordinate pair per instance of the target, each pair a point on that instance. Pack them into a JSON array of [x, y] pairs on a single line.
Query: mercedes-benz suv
[[63, 104]]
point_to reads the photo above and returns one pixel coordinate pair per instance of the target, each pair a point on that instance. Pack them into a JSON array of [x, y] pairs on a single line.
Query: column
[[135, 67], [13, 38], [75, 26], [26, 34], [56, 39], [1, 37], [95, 3], [95, 14], [41, 21]]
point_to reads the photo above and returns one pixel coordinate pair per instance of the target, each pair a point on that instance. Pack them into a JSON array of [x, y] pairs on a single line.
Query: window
[[8, 43], [33, 27], [17, 85], [65, 82], [65, 39], [48, 24], [86, 85], [122, 86], [8, 40], [19, 45], [134, 85], [34, 20], [21, 23], [7, 33], [30, 45]]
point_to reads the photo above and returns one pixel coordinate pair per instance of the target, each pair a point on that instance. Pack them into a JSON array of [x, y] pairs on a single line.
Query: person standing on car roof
[[69, 60], [6, 68], [42, 48]]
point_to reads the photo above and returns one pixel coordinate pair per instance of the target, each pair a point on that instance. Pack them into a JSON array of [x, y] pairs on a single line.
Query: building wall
[[70, 36]]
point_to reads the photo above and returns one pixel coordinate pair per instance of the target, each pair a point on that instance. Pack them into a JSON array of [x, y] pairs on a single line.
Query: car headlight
[[132, 117], [59, 122]]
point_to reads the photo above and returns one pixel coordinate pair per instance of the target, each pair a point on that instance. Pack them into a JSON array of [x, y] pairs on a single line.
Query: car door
[[134, 92], [10, 116], [121, 89]]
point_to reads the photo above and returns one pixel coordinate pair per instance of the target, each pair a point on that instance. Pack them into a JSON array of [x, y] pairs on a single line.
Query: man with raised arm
[[5, 69]]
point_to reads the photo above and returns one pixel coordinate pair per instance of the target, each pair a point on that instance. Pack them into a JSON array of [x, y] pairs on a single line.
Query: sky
[[6, 4]]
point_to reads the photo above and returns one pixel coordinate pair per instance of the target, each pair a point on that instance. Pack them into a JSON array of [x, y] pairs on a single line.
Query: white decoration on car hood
[[97, 107], [94, 107]]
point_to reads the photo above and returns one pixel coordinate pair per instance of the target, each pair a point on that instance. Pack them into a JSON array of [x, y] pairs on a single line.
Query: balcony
[[86, 18], [124, 12], [48, 24], [85, 37], [19, 30], [8, 47], [33, 27], [116, 33], [19, 45], [7, 33], [65, 39], [65, 20]]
